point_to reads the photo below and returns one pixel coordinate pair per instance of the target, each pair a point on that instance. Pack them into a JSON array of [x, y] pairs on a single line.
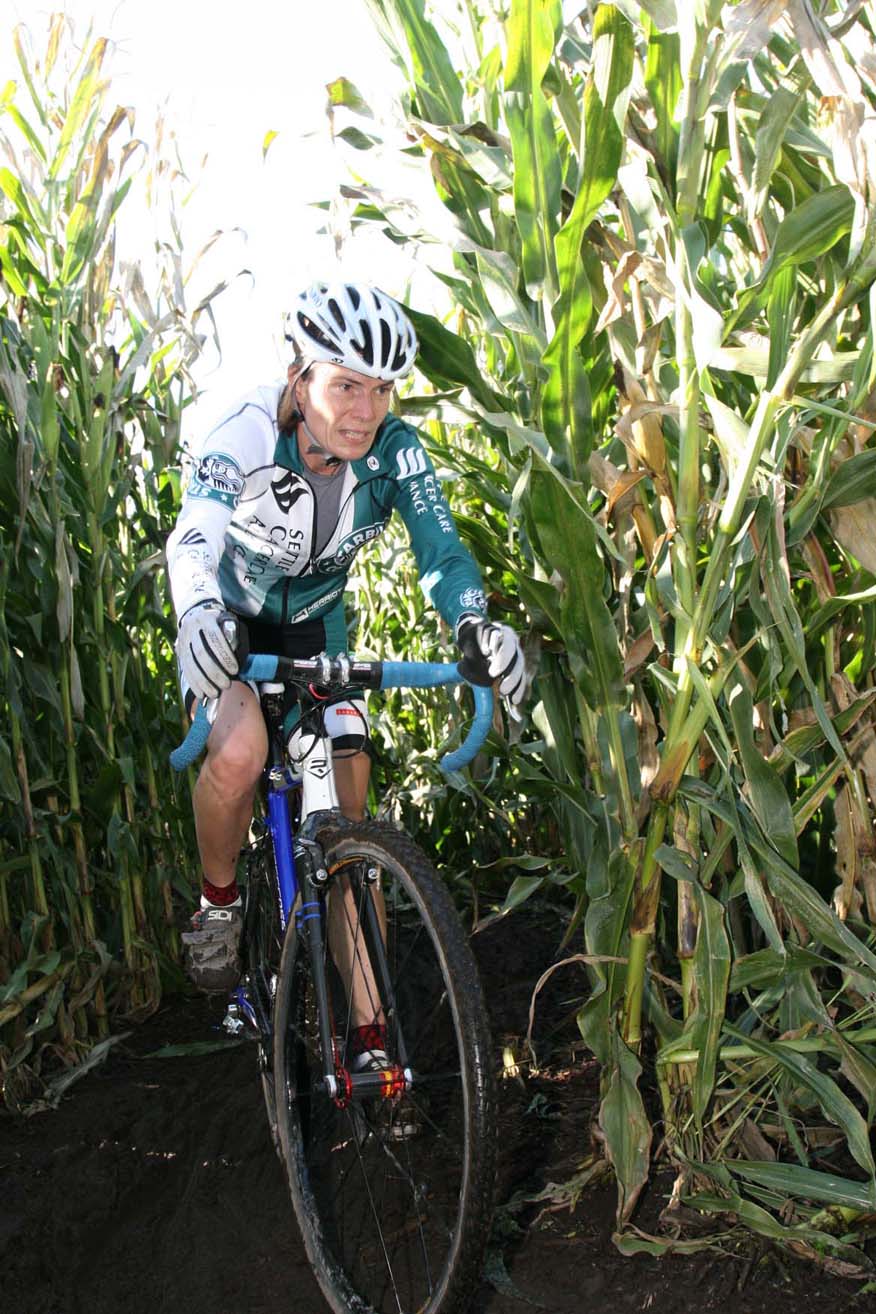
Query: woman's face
[[342, 409]]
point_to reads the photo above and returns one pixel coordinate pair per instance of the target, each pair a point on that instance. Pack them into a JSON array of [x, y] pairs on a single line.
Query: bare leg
[[348, 949], [225, 789], [351, 781]]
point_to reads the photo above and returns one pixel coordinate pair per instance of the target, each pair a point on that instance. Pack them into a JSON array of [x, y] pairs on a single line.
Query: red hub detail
[[393, 1083], [345, 1086]]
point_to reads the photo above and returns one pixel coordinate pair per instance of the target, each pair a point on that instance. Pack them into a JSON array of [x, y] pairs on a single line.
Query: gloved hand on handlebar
[[493, 652], [205, 648]]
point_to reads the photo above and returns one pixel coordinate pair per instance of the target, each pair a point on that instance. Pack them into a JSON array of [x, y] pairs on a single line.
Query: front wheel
[[262, 948], [393, 1192]]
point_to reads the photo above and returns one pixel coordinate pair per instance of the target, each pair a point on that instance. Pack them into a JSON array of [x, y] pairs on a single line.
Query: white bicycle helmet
[[355, 325]]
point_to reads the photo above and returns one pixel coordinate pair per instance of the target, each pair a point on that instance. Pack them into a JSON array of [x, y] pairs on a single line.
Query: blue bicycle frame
[[316, 779]]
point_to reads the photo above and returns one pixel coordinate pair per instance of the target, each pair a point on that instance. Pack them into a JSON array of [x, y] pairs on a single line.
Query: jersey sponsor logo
[[192, 538], [288, 490], [349, 547], [411, 462], [321, 604], [219, 477], [473, 598]]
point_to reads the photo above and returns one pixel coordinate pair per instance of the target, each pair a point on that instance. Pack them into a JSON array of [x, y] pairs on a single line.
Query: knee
[[235, 765]]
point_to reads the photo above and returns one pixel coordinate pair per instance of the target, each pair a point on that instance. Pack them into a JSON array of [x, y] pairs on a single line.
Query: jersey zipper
[[351, 497]]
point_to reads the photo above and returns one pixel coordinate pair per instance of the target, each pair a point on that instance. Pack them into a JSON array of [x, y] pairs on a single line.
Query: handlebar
[[336, 673]]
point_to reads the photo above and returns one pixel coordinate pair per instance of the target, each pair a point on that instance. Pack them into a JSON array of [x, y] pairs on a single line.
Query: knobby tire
[[262, 949], [393, 1197]]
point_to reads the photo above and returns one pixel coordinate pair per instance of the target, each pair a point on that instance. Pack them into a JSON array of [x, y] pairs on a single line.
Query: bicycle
[[390, 1168]]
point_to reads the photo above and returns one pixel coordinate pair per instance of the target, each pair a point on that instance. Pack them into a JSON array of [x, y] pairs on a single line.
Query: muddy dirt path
[[154, 1188]]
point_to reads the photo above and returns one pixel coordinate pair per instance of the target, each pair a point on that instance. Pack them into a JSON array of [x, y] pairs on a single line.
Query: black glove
[[492, 652], [205, 648]]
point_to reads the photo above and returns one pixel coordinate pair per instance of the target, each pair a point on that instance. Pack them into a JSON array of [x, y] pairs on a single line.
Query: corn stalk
[[93, 376], [654, 230]]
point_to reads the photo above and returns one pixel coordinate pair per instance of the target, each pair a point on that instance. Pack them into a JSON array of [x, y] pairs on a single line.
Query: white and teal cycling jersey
[[247, 531]]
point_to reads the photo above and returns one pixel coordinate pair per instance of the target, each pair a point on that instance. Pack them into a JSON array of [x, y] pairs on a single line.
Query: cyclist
[[292, 481]]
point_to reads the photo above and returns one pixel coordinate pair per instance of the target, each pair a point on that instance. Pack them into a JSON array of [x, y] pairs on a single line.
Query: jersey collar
[[371, 466]]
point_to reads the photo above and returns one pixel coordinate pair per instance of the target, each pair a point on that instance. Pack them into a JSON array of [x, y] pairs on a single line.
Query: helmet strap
[[315, 448]]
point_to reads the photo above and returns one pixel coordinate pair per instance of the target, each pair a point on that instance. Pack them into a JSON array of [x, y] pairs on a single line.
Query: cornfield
[[95, 835], [654, 394], [653, 400]]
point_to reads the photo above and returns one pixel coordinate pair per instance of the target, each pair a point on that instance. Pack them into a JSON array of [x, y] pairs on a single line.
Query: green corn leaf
[[826, 612], [610, 890], [513, 312], [769, 798], [662, 13], [859, 1069], [780, 316], [521, 888], [566, 397], [748, 27], [121, 842], [711, 976], [664, 83], [772, 126], [811, 229], [834, 1104], [755, 360], [854, 480], [763, 967], [806, 1184], [532, 29], [85, 102], [783, 609], [625, 1126], [447, 359], [707, 319], [484, 152], [64, 584], [26, 130], [676, 864], [757, 970], [799, 899], [9, 788], [342, 92], [50, 423], [24, 65], [760, 1221], [438, 89], [698, 792], [730, 432], [559, 520], [555, 718], [24, 201]]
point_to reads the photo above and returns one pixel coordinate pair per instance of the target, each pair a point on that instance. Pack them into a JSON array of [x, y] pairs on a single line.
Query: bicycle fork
[[341, 1085]]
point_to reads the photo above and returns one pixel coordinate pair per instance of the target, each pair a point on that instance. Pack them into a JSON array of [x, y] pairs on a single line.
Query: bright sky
[[226, 73]]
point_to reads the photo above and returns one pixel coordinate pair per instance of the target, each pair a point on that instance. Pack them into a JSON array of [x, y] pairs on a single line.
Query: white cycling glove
[[493, 652], [204, 648]]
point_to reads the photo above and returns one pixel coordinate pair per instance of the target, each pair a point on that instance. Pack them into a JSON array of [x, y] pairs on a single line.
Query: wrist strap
[[475, 617], [204, 602]]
